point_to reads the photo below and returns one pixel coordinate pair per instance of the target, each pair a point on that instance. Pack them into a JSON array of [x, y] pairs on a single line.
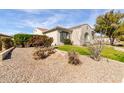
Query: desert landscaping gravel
[[22, 68]]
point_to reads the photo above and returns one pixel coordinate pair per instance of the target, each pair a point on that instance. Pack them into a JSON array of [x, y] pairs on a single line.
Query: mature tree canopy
[[109, 23], [121, 29]]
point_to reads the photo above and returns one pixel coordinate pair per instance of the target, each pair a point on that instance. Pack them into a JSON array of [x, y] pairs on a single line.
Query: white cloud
[[32, 11], [27, 19], [92, 17], [36, 22], [31, 23], [53, 20], [10, 31], [37, 11]]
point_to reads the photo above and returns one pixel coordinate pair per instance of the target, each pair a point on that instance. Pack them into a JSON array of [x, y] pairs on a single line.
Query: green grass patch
[[111, 53], [80, 50], [107, 52]]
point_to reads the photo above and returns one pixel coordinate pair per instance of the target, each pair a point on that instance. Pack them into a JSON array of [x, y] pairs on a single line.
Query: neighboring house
[[39, 31], [3, 35], [79, 35], [106, 40]]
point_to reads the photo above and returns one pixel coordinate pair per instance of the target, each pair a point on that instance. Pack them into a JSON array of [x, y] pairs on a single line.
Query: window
[[64, 35]]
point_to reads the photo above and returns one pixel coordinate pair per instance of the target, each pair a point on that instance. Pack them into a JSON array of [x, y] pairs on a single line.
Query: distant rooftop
[[4, 35], [42, 29]]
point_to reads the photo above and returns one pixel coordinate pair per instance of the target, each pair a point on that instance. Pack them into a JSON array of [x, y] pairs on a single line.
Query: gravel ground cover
[[22, 68]]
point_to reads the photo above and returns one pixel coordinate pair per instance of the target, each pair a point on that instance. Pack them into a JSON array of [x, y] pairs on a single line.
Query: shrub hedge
[[7, 43], [67, 42], [40, 41], [28, 40], [21, 39]]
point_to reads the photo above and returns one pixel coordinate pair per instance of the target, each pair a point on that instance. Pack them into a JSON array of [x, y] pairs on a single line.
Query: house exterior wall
[[75, 36], [78, 34], [55, 36], [37, 32]]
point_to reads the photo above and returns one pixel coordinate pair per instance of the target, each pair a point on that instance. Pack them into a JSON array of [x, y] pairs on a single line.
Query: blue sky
[[24, 21]]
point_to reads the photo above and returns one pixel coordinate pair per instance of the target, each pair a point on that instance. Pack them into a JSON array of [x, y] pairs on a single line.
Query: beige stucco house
[[39, 31], [3, 35], [79, 35]]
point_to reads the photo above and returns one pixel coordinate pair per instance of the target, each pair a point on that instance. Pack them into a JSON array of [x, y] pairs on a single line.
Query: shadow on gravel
[[9, 55]]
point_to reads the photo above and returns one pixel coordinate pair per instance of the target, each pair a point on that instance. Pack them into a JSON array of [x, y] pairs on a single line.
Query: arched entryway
[[86, 38]]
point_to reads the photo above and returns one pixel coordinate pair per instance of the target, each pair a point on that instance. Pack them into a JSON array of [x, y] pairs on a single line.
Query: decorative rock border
[[4, 54]]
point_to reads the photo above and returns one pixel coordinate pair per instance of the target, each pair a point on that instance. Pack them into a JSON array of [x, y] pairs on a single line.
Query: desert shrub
[[42, 53], [95, 48], [21, 39], [0, 44], [40, 41], [7, 43], [67, 42], [73, 58], [121, 38]]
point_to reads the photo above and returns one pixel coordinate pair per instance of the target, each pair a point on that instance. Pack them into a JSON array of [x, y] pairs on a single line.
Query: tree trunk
[[23, 45], [112, 41]]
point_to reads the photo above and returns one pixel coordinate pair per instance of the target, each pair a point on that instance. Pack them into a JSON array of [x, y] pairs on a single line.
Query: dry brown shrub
[[73, 58], [42, 53], [95, 48]]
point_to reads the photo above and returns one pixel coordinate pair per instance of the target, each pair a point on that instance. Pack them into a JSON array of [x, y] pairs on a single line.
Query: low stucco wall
[[4, 54]]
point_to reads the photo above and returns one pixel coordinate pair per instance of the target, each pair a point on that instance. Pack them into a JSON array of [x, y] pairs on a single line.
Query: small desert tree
[[95, 49]]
